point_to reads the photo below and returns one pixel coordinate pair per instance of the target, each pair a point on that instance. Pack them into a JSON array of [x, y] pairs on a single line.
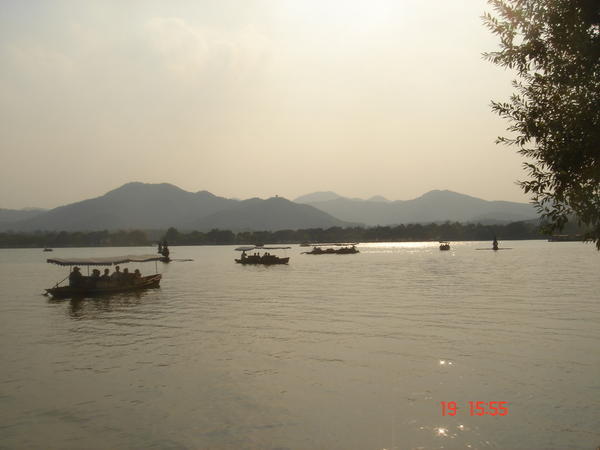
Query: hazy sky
[[250, 98]]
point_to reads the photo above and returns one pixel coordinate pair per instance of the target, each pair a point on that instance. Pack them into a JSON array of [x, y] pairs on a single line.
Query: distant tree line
[[73, 239], [452, 231]]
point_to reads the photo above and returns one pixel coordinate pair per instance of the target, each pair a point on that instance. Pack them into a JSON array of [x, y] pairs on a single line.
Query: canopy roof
[[103, 261]]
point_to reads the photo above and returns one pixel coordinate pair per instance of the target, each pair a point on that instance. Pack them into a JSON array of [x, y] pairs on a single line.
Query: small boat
[[495, 246], [444, 245], [163, 250], [266, 259], [48, 249], [89, 286], [333, 251]]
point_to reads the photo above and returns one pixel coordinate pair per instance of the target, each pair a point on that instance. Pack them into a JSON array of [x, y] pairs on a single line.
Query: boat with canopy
[[345, 249], [80, 286], [266, 259], [444, 245]]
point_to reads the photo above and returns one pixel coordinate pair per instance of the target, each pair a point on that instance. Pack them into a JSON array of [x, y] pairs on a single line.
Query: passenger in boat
[[126, 277], [106, 275], [75, 277], [137, 274], [243, 257], [92, 280], [165, 249], [116, 275]]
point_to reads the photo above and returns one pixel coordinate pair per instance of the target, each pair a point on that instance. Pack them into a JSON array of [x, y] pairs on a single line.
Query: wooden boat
[[266, 259], [444, 245], [47, 249], [163, 250], [89, 286], [495, 247], [103, 288], [333, 251]]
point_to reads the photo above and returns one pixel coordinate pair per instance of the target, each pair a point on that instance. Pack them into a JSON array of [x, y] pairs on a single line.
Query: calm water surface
[[330, 352]]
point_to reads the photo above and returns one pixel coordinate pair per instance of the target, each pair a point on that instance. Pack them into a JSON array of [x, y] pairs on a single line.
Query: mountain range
[[160, 206], [434, 206]]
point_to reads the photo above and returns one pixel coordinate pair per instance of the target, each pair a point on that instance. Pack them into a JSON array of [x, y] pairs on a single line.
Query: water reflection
[[441, 431], [328, 353], [93, 307]]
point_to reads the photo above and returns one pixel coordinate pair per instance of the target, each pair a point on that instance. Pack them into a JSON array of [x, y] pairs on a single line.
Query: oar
[[56, 285]]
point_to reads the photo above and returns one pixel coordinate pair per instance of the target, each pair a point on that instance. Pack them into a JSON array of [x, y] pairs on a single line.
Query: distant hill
[[133, 205], [434, 206], [159, 206], [322, 196], [14, 215], [378, 198], [272, 214]]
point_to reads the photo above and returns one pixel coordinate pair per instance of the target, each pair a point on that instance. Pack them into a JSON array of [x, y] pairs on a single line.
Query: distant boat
[[48, 249], [495, 246], [88, 286], [266, 259], [333, 251], [444, 245], [163, 249]]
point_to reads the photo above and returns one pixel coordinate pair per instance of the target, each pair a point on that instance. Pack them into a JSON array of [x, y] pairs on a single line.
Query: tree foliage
[[554, 114]]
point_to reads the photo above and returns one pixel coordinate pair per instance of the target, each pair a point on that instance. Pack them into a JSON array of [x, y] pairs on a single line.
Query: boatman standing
[[75, 277]]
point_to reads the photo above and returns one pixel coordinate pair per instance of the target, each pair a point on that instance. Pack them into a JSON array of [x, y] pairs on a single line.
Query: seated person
[[106, 275], [137, 274], [91, 281], [116, 275], [126, 276]]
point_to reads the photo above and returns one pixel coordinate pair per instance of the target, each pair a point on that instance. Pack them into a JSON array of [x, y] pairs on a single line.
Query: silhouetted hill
[[133, 205], [275, 213], [159, 206], [14, 215], [321, 196], [378, 198], [434, 206]]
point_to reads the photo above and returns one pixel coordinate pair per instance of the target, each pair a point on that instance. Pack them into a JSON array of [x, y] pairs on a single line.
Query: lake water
[[330, 352]]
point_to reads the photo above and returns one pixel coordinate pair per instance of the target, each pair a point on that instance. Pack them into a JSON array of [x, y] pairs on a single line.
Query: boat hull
[[263, 263], [148, 282], [331, 251]]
